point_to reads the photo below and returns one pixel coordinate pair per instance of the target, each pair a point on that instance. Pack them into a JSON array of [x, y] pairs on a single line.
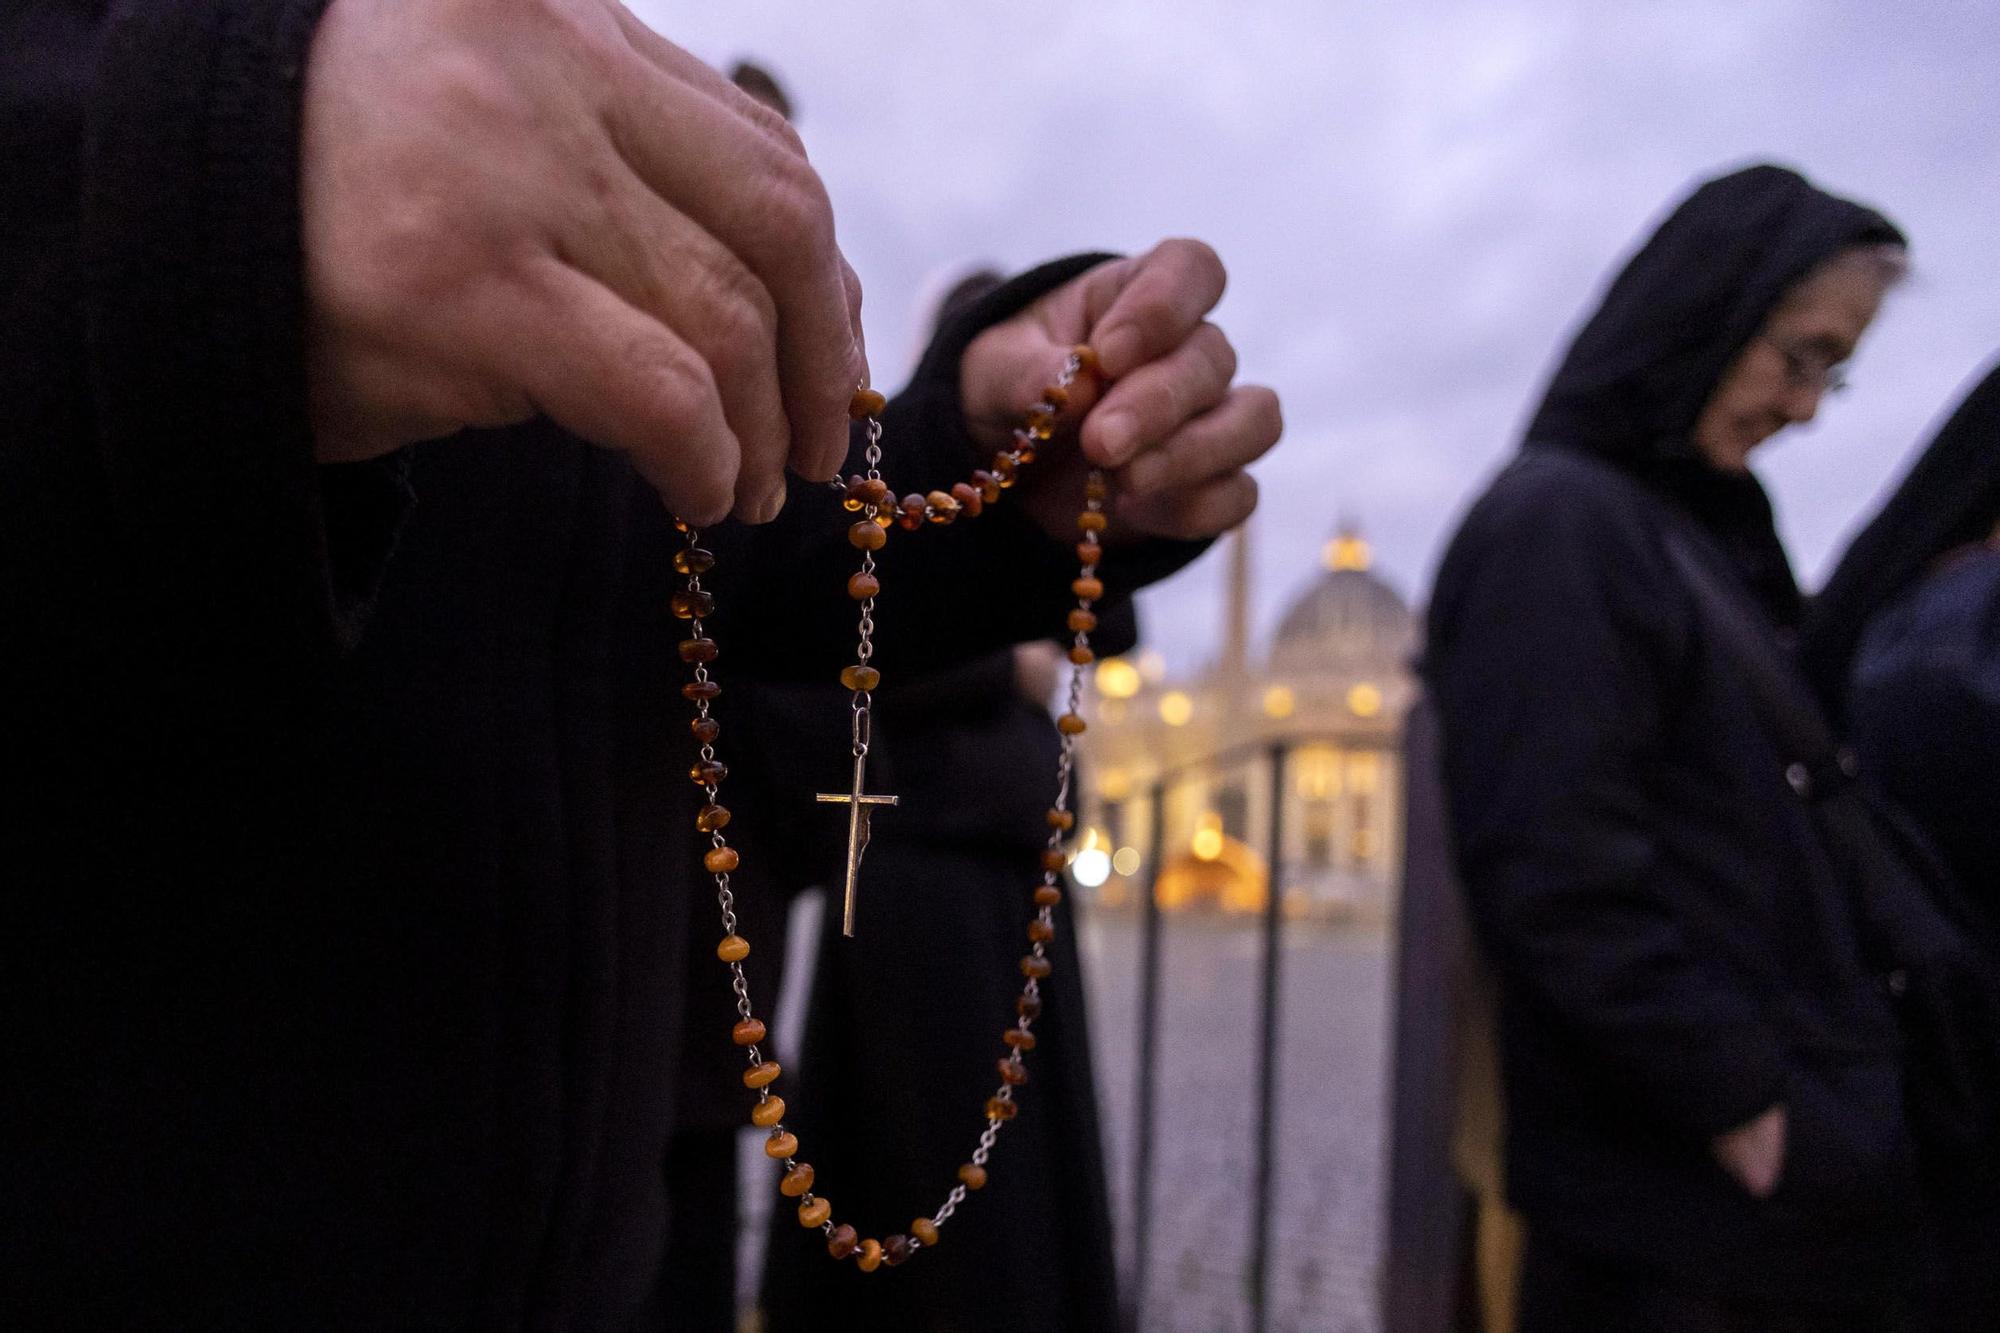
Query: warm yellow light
[[1176, 709], [1114, 784], [1318, 770], [1364, 700], [1117, 678], [1363, 773], [1348, 551], [1279, 701], [1207, 844], [1125, 860]]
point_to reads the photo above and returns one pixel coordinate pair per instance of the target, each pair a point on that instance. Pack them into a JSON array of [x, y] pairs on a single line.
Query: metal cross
[[857, 802]]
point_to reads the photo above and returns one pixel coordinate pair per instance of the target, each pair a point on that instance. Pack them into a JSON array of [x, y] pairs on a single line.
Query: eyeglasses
[[1808, 367]]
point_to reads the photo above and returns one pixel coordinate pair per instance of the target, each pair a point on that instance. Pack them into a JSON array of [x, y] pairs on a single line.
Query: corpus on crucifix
[[857, 802]]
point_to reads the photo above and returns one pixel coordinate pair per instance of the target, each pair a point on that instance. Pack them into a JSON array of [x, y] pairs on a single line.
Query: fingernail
[[773, 505], [1118, 436]]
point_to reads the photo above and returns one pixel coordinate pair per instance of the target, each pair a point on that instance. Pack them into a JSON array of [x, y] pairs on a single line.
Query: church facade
[[1330, 691]]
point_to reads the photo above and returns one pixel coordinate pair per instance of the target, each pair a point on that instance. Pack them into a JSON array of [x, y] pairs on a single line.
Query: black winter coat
[[347, 842], [1676, 948]]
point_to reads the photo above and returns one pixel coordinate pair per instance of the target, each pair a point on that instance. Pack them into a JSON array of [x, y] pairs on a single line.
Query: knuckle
[[1220, 351]]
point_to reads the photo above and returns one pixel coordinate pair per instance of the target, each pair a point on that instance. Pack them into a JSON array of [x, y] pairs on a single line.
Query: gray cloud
[[1416, 202]]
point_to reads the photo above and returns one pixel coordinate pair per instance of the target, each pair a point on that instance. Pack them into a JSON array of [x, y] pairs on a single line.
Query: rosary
[[869, 497]]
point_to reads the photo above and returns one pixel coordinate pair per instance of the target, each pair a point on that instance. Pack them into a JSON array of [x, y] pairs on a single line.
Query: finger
[[659, 261], [1232, 436], [765, 203], [678, 63], [1206, 511], [1159, 300], [1159, 397], [619, 378]]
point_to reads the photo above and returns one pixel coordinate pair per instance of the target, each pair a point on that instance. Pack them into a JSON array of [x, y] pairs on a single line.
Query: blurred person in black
[[1705, 1120], [1905, 642], [895, 1045]]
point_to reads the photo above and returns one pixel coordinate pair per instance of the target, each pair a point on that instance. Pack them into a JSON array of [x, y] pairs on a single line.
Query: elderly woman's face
[[1794, 360]]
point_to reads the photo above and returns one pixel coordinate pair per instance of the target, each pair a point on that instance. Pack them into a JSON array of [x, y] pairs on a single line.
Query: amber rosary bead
[[867, 536], [1090, 520], [1081, 655], [863, 586], [969, 499], [712, 818], [1019, 1038], [941, 507], [721, 860], [972, 1176], [1061, 819], [709, 772], [693, 560], [866, 403], [700, 691], [1028, 1006], [1034, 967], [705, 730], [1089, 552], [1070, 724], [912, 516], [747, 1033], [797, 1181], [1095, 487], [1040, 932], [1056, 396], [781, 1145], [693, 605], [1047, 895], [872, 490], [869, 1257], [767, 1113], [1086, 359], [1012, 1071], [1088, 589], [860, 678], [896, 1249], [842, 1241], [733, 949], [925, 1231], [1000, 1108], [988, 484], [814, 1212], [697, 650], [761, 1075], [1054, 858]]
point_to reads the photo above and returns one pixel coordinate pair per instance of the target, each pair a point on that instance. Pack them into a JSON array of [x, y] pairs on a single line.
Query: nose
[[1802, 403]]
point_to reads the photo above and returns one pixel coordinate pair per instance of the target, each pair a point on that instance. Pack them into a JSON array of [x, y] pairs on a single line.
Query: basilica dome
[[1349, 620]]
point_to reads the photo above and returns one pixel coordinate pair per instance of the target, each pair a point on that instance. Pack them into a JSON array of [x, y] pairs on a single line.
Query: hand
[[545, 207], [1170, 428], [1755, 1153]]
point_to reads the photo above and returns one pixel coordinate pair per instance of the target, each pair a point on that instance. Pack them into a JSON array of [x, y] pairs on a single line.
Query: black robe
[[903, 1037], [1675, 947], [348, 859], [1905, 642]]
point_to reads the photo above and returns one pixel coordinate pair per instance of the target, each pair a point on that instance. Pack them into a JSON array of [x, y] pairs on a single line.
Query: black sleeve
[[156, 358], [1552, 659], [949, 594]]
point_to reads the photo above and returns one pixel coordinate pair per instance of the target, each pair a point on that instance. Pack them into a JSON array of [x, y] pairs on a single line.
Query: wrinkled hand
[[1755, 1153], [1171, 429], [545, 207]]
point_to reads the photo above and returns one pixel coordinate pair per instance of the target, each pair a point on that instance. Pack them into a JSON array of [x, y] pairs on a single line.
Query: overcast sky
[[1417, 201]]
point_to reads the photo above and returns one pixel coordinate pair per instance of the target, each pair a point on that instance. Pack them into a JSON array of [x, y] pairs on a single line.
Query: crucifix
[[857, 802]]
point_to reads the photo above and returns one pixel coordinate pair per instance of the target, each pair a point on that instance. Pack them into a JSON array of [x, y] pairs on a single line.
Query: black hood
[[1640, 371], [1951, 496]]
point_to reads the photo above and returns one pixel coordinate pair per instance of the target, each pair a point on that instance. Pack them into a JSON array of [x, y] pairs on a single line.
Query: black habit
[[347, 842], [1675, 946]]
